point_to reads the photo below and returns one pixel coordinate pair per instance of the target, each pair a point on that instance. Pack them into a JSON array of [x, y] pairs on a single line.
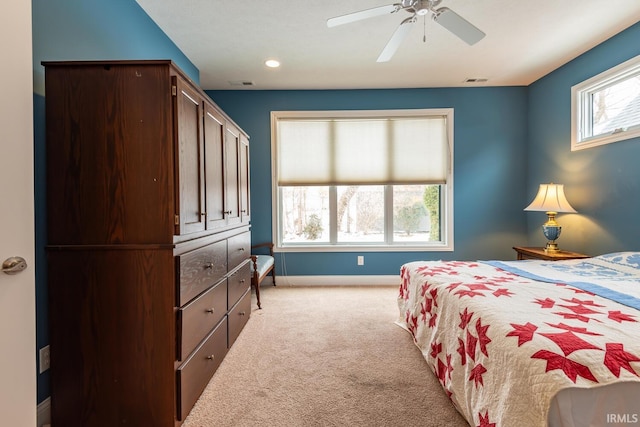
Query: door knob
[[14, 265]]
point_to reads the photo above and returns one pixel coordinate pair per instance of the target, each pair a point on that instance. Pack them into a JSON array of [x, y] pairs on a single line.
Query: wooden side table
[[540, 253]]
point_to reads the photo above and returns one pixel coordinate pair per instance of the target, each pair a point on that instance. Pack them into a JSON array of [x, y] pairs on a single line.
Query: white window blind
[[361, 150]]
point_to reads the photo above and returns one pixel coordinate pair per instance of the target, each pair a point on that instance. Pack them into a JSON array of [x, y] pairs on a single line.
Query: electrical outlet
[[45, 359], [360, 260]]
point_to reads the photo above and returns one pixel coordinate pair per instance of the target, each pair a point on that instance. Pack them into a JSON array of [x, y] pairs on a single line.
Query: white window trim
[[580, 98], [447, 219]]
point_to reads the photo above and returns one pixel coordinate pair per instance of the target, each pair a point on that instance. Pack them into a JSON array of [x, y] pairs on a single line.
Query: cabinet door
[[214, 130], [190, 159], [245, 203], [232, 174]]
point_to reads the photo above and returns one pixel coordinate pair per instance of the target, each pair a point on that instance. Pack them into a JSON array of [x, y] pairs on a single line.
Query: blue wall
[[82, 30], [490, 130], [98, 30], [601, 183]]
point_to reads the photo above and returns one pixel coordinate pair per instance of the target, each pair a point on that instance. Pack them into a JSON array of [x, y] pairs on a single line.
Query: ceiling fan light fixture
[[421, 7]]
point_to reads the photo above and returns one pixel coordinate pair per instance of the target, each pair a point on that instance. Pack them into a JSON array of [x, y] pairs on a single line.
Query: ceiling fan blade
[[458, 25], [363, 14], [396, 39]]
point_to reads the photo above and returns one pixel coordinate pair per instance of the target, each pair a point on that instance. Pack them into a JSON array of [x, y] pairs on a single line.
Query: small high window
[[606, 108]]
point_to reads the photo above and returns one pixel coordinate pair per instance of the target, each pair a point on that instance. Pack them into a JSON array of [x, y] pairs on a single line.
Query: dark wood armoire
[[148, 241]]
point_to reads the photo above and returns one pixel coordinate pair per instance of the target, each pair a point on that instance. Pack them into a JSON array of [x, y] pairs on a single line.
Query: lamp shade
[[550, 198]]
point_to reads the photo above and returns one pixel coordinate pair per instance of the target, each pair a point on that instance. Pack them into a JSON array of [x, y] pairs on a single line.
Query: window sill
[[605, 139], [365, 248]]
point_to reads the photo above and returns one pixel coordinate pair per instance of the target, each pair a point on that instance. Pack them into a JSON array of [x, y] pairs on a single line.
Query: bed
[[530, 343]]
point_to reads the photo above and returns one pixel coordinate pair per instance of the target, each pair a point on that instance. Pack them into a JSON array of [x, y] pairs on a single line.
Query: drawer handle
[[211, 357], [208, 265], [210, 310], [241, 249], [242, 280], [242, 313]]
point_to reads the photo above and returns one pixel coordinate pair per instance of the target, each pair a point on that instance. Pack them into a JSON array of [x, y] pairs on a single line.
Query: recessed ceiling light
[[272, 63]]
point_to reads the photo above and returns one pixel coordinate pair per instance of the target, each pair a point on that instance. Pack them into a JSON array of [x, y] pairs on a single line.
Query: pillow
[[627, 259]]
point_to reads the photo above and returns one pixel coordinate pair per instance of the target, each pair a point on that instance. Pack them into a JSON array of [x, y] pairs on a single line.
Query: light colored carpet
[[324, 356]]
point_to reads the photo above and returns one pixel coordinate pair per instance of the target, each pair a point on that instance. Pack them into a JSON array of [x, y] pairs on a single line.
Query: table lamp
[[551, 199]]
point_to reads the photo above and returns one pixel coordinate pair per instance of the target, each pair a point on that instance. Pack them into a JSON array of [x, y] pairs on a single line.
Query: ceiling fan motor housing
[[420, 7]]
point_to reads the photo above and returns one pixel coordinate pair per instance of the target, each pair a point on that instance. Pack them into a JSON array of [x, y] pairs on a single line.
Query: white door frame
[[17, 238]]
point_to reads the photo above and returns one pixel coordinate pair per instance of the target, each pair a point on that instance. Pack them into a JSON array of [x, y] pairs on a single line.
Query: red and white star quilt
[[502, 345]]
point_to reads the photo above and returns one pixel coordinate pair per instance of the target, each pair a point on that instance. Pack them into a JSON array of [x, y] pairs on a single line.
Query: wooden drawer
[[194, 374], [198, 318], [199, 269], [239, 316], [239, 248], [238, 283]]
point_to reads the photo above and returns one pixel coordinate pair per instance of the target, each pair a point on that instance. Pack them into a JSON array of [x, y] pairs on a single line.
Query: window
[[606, 108], [352, 180]]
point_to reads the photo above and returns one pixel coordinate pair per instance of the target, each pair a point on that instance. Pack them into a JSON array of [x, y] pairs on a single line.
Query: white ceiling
[[229, 40]]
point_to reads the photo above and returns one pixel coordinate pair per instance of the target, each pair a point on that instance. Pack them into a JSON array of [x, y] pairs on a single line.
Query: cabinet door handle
[[242, 313], [210, 310], [211, 357], [208, 265], [203, 214]]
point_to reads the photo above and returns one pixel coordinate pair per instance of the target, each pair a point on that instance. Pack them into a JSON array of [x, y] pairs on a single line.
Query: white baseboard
[[337, 280], [44, 413]]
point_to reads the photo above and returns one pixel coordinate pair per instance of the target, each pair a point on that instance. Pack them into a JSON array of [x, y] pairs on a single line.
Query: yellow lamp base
[[551, 247]]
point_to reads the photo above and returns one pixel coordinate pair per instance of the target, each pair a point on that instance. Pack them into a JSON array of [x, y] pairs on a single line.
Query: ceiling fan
[[443, 16]]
